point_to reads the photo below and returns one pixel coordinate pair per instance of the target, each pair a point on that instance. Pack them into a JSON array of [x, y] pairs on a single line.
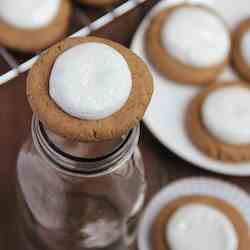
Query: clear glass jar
[[79, 196]]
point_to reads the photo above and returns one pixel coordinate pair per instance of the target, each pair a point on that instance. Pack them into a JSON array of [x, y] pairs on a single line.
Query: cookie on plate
[[188, 43], [89, 89], [30, 26], [199, 222], [218, 121], [241, 49]]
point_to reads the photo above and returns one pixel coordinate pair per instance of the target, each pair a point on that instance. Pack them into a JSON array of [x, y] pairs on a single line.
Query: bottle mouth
[[83, 152], [83, 158]]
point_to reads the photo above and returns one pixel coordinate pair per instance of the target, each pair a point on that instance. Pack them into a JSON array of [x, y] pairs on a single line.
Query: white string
[[97, 24]]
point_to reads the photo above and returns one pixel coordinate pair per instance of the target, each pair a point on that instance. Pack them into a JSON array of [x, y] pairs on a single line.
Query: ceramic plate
[[166, 113], [191, 186]]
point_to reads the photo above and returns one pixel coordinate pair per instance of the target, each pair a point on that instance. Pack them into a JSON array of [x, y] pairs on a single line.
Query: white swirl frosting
[[198, 226], [29, 14], [226, 114], [245, 47], [90, 81], [196, 37]]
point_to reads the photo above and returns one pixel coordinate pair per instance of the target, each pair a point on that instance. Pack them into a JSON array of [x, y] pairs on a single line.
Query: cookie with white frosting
[[218, 121], [199, 222], [89, 89], [188, 43], [30, 26], [241, 49]]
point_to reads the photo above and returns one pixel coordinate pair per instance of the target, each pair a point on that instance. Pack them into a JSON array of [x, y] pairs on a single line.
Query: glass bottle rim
[[82, 166]]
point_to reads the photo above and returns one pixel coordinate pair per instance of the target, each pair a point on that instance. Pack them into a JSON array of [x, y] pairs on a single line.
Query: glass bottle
[[74, 195]]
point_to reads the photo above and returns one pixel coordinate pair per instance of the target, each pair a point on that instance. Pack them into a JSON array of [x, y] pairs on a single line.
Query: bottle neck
[[83, 159]]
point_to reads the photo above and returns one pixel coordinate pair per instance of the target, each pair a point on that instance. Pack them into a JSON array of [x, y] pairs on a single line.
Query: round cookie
[[204, 139], [172, 67], [158, 228], [98, 3], [114, 126], [241, 58], [36, 39]]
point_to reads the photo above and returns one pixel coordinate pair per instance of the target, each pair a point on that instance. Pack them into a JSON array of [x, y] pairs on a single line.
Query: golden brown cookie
[[159, 224], [201, 137], [169, 66], [33, 40], [67, 126], [98, 3], [239, 62]]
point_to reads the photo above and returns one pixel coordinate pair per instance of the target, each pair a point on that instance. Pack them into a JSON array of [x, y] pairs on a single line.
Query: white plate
[[166, 113], [191, 186]]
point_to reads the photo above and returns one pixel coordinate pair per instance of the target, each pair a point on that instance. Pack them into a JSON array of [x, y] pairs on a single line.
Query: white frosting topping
[[226, 114], [196, 37], [29, 14], [90, 81], [245, 47], [200, 227]]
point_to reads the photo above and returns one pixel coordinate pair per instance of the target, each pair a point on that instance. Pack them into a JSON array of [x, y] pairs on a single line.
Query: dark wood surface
[[15, 117]]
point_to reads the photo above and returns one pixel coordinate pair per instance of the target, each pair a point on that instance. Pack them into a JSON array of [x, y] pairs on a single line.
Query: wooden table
[[15, 118]]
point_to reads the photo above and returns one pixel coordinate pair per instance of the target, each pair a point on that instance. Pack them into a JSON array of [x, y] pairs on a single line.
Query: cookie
[[61, 123], [207, 142], [34, 40], [241, 49], [159, 225], [180, 59]]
